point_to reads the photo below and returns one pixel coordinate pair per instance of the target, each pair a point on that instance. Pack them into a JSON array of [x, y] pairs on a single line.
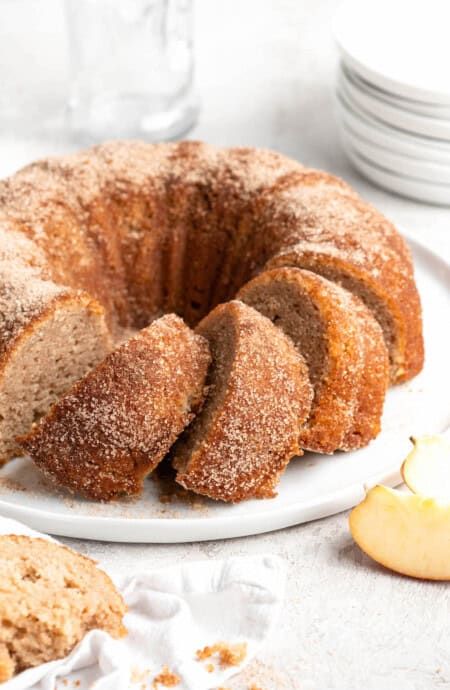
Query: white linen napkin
[[173, 612]]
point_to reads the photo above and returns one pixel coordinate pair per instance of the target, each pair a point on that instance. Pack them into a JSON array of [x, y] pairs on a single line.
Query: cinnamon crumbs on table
[[229, 654], [166, 678]]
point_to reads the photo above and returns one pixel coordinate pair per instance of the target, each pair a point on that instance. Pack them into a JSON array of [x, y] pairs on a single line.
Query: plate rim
[[412, 167], [401, 102], [436, 129], [376, 124], [380, 134], [412, 188]]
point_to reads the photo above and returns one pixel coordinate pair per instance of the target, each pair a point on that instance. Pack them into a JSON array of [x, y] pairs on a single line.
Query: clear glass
[[132, 67], [33, 67]]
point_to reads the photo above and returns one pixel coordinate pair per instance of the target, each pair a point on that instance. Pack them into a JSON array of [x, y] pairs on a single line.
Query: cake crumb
[[166, 678], [229, 654], [210, 668]]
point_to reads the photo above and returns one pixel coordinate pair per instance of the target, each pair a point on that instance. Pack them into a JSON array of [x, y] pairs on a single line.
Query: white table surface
[[266, 74]]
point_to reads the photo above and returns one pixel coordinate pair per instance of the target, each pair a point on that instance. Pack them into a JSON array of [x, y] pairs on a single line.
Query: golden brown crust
[[117, 423], [241, 441], [51, 597], [343, 347]]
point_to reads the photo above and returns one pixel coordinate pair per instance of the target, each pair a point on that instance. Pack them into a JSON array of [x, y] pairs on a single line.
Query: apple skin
[[406, 533], [426, 470]]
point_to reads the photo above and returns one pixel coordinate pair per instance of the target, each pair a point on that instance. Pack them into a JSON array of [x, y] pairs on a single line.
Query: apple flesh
[[404, 532], [426, 470]]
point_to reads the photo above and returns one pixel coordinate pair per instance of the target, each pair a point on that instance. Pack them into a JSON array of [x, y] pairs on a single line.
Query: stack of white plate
[[393, 93]]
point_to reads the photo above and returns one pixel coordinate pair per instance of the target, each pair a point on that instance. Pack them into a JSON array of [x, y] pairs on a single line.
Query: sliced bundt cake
[[115, 425], [139, 230], [50, 598], [343, 347], [258, 397]]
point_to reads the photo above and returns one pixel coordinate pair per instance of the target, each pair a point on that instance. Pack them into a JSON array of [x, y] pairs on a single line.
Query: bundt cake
[[118, 422], [50, 598], [259, 395], [343, 347], [114, 237]]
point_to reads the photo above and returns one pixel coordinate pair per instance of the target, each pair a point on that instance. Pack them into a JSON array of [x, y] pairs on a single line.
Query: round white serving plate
[[424, 125], [397, 183], [380, 134], [401, 47], [395, 162], [313, 486]]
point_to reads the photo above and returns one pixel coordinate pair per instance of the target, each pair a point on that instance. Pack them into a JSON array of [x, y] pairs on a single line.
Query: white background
[[265, 72]]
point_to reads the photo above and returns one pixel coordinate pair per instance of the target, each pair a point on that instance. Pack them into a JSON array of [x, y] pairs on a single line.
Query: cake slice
[[259, 394], [343, 347], [50, 598], [49, 338], [116, 424]]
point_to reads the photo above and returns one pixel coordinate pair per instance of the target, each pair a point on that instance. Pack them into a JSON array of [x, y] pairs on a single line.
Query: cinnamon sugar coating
[[343, 347], [141, 230], [116, 424], [259, 394]]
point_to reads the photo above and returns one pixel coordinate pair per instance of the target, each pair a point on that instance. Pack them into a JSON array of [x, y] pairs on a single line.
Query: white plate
[[397, 183], [405, 165], [392, 115], [401, 46], [313, 486], [418, 107], [379, 134]]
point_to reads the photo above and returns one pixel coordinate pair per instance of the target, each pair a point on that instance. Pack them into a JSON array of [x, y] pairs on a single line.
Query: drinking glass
[[132, 67], [33, 67]]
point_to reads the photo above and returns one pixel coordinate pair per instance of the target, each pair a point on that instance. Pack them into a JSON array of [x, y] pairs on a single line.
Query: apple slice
[[426, 470], [404, 532]]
